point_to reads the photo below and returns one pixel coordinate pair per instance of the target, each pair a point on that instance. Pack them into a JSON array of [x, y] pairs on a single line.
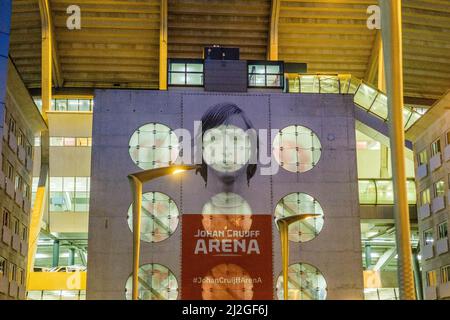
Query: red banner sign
[[226, 257]]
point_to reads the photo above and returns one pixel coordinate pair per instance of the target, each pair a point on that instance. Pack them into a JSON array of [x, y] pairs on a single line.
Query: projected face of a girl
[[227, 149]]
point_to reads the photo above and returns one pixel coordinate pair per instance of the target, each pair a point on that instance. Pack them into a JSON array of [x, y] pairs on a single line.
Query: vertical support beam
[[384, 162], [391, 21], [5, 27], [368, 256], [381, 69], [372, 68], [71, 256], [55, 261], [272, 52], [46, 95], [417, 275], [163, 46]]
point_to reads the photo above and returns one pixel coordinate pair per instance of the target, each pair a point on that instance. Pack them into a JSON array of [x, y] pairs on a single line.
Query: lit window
[[445, 274], [425, 197], [306, 282], [156, 282], [423, 157], [431, 278], [69, 142], [56, 141], [3, 266], [153, 145], [297, 149], [159, 217], [298, 204], [186, 72], [442, 230], [265, 74], [69, 194], [439, 189], [428, 237], [226, 148], [436, 147], [12, 272]]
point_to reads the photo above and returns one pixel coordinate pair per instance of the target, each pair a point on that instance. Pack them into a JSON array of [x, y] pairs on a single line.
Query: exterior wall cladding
[[336, 251]]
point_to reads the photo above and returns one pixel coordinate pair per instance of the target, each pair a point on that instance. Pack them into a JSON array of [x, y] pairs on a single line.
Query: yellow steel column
[[46, 95], [391, 21], [163, 46], [272, 52]]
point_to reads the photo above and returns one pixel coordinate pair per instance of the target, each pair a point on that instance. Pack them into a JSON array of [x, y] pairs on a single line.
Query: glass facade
[[70, 142], [69, 194], [57, 295], [68, 105], [365, 96], [381, 192]]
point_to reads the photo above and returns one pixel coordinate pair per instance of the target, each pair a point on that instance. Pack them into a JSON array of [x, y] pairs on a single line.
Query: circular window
[[306, 282], [296, 204], [228, 215], [226, 148], [227, 281], [156, 282], [297, 149], [159, 217], [153, 145]]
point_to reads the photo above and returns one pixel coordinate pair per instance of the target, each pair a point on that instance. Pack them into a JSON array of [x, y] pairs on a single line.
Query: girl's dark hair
[[220, 114]]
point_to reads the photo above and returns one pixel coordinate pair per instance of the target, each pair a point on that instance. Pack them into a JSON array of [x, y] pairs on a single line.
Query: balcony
[[22, 293], [442, 246], [435, 162], [12, 142], [27, 206], [430, 293], [447, 153], [15, 242], [21, 154], [13, 289], [422, 171], [19, 198], [424, 211], [427, 251], [2, 180], [23, 248], [10, 188], [5, 132], [6, 235], [437, 204], [29, 164], [444, 290], [4, 284]]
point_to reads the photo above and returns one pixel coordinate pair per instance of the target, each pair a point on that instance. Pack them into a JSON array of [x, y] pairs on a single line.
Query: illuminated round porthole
[[159, 217], [226, 148], [306, 282], [296, 204], [156, 282], [227, 214], [153, 145], [297, 149]]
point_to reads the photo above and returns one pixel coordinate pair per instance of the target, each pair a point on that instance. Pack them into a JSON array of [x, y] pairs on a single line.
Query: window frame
[[437, 143], [424, 238], [445, 274], [440, 231], [419, 160], [265, 74], [6, 218], [431, 281], [185, 62], [435, 191]]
